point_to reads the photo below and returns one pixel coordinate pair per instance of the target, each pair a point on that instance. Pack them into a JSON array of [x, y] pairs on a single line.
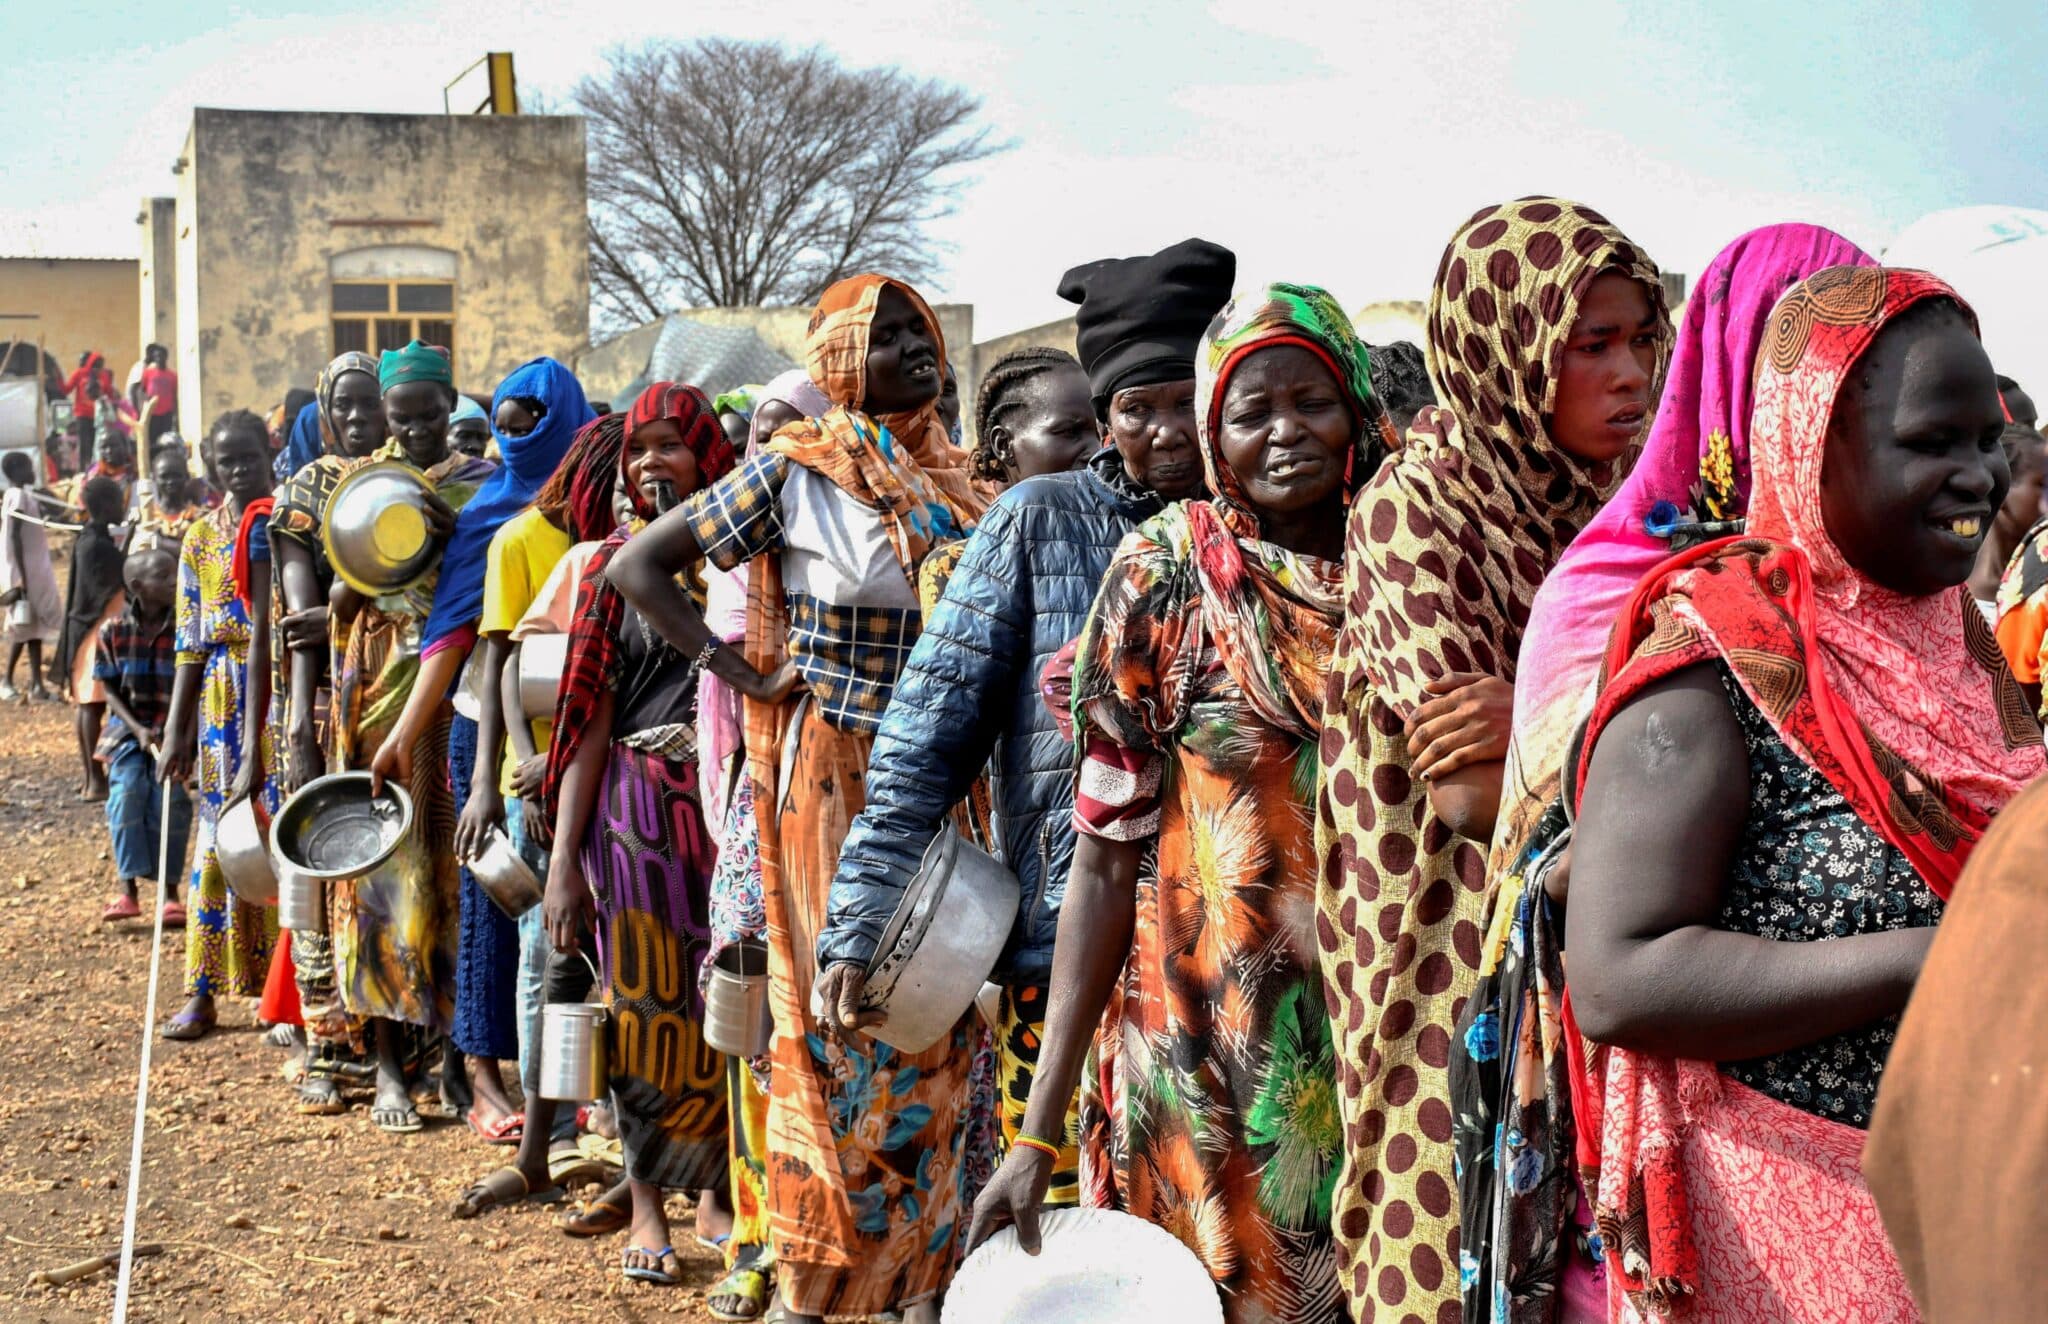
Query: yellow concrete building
[[74, 304], [300, 235]]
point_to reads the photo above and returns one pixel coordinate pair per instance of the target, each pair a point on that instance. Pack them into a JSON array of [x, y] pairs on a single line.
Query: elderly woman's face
[[1153, 428], [903, 357], [1913, 471], [1285, 429]]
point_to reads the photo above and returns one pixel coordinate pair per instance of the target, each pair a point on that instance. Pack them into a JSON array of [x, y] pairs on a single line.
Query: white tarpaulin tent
[[1997, 258]]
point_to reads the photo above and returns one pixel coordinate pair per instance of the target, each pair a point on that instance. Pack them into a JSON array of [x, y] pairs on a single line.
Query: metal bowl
[[542, 659], [244, 854], [504, 877], [333, 829], [378, 537]]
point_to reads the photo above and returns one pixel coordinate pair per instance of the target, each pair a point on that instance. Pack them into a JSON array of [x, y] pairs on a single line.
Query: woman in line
[[1547, 334], [94, 596], [1801, 736], [346, 421], [833, 519], [487, 950], [969, 694], [631, 838], [1197, 695], [173, 505], [1526, 1226], [394, 939], [221, 716], [2026, 455], [28, 577], [469, 428]]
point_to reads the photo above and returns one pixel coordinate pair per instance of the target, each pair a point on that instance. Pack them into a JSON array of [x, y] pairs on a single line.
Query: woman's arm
[[438, 672], [644, 572], [256, 688], [567, 898], [1089, 951], [1667, 793], [1458, 740], [303, 632], [485, 808]]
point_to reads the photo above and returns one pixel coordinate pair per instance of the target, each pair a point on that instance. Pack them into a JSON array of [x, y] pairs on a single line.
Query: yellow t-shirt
[[522, 553]]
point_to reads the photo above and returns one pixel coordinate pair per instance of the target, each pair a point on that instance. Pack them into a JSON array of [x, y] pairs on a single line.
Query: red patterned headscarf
[[592, 662]]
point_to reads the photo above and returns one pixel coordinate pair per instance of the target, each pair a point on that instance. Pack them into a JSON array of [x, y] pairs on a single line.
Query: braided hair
[[232, 421], [998, 390], [577, 498]]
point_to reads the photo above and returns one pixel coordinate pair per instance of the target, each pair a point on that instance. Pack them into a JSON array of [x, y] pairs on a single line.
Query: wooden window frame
[[366, 323]]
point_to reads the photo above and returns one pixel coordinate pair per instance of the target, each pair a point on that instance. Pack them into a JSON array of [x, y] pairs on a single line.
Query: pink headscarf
[[1694, 470], [725, 609]]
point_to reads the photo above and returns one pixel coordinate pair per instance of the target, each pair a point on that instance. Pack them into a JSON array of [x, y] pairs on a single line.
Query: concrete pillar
[[158, 273]]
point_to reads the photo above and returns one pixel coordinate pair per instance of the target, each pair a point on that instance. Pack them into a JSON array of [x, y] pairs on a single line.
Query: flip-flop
[[187, 1028], [642, 1274], [314, 1101], [507, 1130], [122, 907], [397, 1121], [502, 1186], [174, 914], [596, 1219], [716, 1243], [749, 1283]]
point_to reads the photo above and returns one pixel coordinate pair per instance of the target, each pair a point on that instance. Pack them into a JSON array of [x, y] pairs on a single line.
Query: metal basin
[[239, 844], [942, 942], [378, 537], [332, 829], [542, 660], [504, 877]]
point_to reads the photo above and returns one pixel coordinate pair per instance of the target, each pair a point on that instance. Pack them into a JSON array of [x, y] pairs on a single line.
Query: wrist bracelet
[[1046, 1147], [704, 654]]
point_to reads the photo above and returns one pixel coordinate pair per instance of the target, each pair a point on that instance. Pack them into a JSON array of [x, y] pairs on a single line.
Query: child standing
[[135, 665]]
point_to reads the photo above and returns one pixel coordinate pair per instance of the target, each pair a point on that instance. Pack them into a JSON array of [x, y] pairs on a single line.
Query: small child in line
[[136, 663]]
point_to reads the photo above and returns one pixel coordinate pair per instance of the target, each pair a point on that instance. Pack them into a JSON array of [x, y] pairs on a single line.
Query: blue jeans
[[533, 938], [135, 815]]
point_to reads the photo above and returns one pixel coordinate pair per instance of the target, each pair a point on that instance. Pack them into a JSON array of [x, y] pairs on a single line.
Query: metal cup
[[573, 1066], [737, 1020], [301, 902]]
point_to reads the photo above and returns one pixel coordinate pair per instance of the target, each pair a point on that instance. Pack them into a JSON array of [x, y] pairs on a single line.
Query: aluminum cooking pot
[[241, 846], [334, 830], [376, 530], [737, 1019], [503, 876], [942, 942], [542, 659]]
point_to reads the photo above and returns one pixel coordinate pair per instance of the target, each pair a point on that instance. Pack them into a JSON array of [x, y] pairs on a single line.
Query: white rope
[[156, 952]]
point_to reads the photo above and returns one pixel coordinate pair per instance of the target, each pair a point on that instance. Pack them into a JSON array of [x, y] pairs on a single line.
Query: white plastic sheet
[[1997, 258]]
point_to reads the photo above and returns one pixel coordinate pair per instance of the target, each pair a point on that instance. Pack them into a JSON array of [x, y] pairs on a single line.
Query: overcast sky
[[1332, 141]]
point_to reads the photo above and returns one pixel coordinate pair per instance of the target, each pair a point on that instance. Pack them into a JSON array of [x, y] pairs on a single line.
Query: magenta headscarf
[[725, 609], [1694, 470]]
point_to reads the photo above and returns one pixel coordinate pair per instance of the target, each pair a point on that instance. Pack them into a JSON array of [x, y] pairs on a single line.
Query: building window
[[370, 316]]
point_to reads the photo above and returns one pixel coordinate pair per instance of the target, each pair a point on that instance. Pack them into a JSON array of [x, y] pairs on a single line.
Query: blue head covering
[[303, 445], [529, 462], [466, 408]]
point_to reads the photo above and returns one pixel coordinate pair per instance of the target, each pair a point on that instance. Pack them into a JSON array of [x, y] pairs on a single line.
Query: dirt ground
[[262, 1214]]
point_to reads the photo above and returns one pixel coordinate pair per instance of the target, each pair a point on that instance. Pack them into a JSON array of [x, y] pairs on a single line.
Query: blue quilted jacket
[[970, 691]]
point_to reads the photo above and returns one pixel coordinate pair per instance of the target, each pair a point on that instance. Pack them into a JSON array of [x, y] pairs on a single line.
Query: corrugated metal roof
[[715, 359]]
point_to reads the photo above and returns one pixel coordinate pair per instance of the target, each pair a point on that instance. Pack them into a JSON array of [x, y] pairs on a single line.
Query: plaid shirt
[[849, 657], [137, 664]]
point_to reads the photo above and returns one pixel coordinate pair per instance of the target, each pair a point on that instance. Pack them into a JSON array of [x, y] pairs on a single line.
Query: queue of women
[[1476, 843]]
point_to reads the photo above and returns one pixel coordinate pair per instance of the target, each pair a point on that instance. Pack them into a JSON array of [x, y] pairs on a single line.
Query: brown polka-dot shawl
[[1443, 555]]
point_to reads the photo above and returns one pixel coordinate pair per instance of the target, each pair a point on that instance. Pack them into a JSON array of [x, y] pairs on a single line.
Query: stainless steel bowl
[[333, 829], [244, 855], [504, 877], [542, 660], [378, 537]]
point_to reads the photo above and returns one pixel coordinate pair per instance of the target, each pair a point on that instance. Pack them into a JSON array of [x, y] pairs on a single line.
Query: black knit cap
[[1142, 317]]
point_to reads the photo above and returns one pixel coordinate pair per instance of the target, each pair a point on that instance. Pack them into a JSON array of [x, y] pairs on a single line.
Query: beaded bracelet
[[1045, 1147]]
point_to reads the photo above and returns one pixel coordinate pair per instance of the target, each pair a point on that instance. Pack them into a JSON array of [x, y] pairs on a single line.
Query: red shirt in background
[[93, 371], [160, 384]]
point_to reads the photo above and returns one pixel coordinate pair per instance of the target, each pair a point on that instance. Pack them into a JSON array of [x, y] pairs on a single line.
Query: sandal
[[654, 1273], [505, 1186], [747, 1288], [716, 1245], [187, 1028], [319, 1096], [570, 1166], [402, 1120], [597, 1218], [121, 907], [509, 1129], [174, 914]]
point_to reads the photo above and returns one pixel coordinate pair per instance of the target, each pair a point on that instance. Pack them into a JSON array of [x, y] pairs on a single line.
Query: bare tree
[[728, 173]]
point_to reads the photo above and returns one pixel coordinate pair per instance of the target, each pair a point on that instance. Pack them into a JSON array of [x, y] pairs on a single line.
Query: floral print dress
[[1213, 1110]]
